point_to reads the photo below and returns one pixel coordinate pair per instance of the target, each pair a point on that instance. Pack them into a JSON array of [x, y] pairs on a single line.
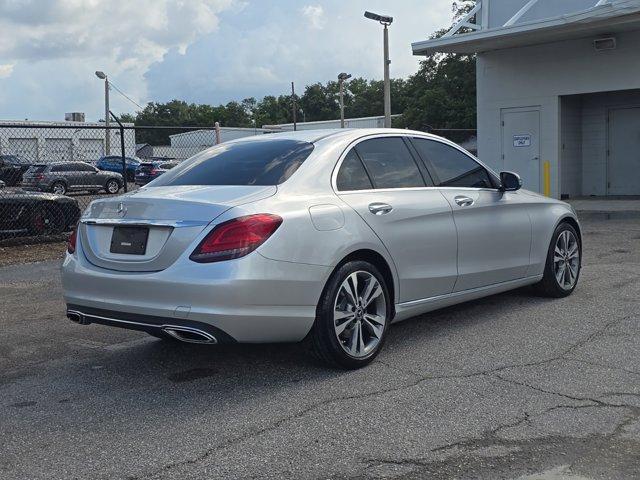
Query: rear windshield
[[257, 162], [37, 168]]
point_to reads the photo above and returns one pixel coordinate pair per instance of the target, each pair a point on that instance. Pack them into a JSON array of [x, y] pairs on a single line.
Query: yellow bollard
[[546, 172]]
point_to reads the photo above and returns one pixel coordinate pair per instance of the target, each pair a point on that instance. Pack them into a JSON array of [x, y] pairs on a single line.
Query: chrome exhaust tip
[[77, 317], [189, 335]]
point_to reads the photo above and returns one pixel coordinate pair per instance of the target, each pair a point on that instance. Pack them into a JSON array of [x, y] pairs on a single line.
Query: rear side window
[[59, 168], [453, 168], [352, 175], [38, 169], [390, 163], [253, 162]]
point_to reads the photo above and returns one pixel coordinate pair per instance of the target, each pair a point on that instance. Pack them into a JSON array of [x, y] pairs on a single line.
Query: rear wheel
[[562, 268], [112, 186], [59, 188], [352, 317], [47, 220]]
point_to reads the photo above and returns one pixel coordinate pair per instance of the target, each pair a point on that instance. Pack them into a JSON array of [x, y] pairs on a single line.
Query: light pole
[[385, 21], [341, 79], [107, 140]]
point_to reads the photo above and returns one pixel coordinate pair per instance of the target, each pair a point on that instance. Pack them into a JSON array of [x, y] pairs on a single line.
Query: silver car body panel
[[438, 252]]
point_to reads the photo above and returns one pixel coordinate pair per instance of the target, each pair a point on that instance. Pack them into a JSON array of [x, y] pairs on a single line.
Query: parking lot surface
[[508, 387]]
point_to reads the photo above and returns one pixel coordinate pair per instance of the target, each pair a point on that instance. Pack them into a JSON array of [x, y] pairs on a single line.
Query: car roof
[[313, 136]]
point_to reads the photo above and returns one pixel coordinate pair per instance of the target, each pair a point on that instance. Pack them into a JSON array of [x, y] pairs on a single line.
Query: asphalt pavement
[[512, 386]]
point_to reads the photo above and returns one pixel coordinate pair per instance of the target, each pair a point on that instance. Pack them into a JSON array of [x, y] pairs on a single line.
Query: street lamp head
[[100, 75], [344, 76], [383, 19]]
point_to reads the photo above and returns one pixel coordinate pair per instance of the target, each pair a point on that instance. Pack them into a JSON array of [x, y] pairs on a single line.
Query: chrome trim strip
[[150, 325], [421, 301], [408, 134], [143, 222]]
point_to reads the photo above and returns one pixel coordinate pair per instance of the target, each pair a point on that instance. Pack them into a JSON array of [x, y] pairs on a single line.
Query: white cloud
[[6, 70], [315, 16]]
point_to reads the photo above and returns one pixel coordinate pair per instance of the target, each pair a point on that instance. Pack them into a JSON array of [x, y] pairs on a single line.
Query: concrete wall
[[538, 76]]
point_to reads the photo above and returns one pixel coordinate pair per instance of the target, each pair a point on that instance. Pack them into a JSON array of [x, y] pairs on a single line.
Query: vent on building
[[74, 117], [604, 43]]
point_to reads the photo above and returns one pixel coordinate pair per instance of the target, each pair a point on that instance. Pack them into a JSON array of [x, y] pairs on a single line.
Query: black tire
[[549, 285], [112, 187], [323, 337], [62, 188]]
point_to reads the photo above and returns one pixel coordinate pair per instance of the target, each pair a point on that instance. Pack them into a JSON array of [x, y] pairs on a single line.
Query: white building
[[184, 145], [42, 142], [362, 122], [558, 85]]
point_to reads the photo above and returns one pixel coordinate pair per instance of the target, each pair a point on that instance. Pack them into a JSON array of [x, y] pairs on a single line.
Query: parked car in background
[[326, 235], [12, 167], [35, 213], [63, 177], [113, 163], [148, 171]]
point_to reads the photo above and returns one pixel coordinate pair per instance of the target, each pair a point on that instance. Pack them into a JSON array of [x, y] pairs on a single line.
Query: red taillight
[[71, 241], [236, 238], [153, 171], [40, 176]]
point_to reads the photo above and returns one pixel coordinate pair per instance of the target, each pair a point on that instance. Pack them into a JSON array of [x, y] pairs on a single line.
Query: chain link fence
[[49, 173]]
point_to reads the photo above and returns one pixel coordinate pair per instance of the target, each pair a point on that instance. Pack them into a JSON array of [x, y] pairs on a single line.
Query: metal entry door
[[623, 163], [521, 144]]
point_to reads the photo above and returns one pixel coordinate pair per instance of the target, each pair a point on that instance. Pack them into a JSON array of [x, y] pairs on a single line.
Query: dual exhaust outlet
[[181, 333]]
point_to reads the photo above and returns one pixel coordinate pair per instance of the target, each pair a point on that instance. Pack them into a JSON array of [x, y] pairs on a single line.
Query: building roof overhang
[[604, 19]]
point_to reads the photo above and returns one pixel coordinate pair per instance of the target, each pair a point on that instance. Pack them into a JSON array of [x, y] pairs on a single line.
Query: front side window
[[453, 168], [352, 175], [252, 162], [389, 163]]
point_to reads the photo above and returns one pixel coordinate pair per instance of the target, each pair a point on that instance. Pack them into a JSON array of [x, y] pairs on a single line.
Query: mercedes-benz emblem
[[122, 209]]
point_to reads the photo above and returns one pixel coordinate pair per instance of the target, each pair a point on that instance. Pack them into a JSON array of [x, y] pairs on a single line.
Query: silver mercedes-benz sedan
[[326, 236]]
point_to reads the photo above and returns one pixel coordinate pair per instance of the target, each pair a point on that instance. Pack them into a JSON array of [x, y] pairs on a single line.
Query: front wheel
[[112, 187], [352, 317], [564, 261]]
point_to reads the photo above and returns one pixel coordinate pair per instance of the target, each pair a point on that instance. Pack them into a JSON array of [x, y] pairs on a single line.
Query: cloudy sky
[[204, 51]]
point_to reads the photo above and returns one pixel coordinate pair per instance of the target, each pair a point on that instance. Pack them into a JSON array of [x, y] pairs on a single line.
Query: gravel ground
[[39, 252], [508, 387]]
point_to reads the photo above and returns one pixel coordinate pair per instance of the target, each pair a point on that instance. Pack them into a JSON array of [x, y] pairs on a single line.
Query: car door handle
[[380, 208], [463, 201]]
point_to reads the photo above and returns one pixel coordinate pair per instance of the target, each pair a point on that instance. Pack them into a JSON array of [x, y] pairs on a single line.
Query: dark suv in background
[[148, 171], [12, 167], [62, 177]]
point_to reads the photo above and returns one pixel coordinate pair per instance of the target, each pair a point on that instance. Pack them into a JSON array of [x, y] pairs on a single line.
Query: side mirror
[[510, 182]]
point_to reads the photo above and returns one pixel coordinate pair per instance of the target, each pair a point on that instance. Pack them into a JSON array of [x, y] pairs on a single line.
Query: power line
[[125, 95]]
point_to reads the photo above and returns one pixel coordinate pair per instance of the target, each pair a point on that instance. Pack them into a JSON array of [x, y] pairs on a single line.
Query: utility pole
[[385, 21], [293, 106], [387, 81], [107, 139], [341, 79]]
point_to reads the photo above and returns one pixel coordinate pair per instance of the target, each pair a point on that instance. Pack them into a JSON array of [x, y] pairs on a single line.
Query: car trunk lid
[[170, 217]]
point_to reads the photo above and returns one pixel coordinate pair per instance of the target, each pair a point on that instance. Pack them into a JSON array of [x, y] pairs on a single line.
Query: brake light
[[153, 171], [40, 176], [236, 238], [71, 241]]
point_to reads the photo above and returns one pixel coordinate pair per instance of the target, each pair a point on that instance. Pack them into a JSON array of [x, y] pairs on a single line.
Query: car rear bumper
[[252, 299]]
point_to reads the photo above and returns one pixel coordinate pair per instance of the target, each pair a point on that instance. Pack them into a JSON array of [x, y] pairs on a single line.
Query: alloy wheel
[[59, 189], [566, 260], [359, 314], [112, 186]]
